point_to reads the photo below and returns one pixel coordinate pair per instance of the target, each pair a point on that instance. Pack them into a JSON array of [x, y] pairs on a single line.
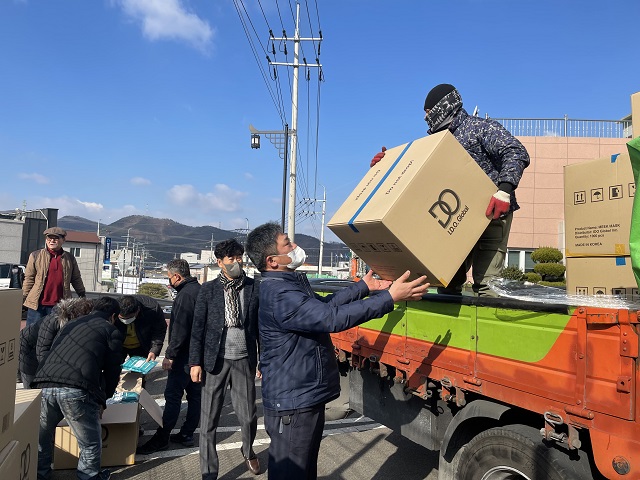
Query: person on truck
[[49, 275], [503, 158], [297, 360]]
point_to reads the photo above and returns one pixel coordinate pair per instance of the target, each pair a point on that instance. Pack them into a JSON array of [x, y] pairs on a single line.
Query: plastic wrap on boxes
[[531, 292], [123, 397], [139, 364]]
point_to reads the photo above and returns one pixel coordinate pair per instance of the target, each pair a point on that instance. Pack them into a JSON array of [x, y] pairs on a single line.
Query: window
[[75, 251], [521, 259]]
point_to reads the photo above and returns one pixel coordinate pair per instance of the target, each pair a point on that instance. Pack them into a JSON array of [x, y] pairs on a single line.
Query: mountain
[[164, 239]]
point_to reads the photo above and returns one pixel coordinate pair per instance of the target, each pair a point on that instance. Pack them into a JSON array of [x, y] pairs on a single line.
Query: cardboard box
[[119, 434], [601, 276], [119, 438], [25, 429], [598, 199], [10, 461], [10, 316], [635, 114], [422, 208]]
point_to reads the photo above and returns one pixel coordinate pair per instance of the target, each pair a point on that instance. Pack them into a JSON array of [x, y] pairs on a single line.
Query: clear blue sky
[[117, 107]]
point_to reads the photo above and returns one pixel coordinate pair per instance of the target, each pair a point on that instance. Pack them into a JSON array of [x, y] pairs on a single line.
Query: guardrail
[[566, 127]]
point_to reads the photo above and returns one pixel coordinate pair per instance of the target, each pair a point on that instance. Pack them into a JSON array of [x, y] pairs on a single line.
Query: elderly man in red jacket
[[49, 275]]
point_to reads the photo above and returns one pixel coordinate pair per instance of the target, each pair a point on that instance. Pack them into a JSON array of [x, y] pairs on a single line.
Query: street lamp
[[280, 140]]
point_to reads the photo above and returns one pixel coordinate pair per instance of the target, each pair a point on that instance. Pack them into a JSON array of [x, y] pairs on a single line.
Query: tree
[[154, 290], [549, 267]]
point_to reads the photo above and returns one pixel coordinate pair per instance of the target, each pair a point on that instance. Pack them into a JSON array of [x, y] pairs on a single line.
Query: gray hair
[[72, 308], [179, 266], [262, 242]]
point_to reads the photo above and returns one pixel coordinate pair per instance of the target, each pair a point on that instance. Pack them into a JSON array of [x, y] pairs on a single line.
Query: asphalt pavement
[[353, 448]]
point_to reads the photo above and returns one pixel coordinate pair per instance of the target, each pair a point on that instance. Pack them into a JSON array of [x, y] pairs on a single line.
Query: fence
[[566, 127]]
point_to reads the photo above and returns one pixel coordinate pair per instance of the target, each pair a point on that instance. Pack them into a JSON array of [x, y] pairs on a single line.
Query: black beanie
[[436, 94]]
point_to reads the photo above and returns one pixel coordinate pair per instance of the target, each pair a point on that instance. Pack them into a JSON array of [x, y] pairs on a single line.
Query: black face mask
[[441, 115]]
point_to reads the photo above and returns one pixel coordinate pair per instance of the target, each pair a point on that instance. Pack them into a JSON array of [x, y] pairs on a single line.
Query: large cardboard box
[[119, 432], [10, 461], [422, 208], [10, 315], [601, 276], [598, 199], [119, 438], [26, 425], [635, 114]]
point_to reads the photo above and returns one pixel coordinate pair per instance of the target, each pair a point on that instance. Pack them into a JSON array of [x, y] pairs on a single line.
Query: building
[[88, 249]]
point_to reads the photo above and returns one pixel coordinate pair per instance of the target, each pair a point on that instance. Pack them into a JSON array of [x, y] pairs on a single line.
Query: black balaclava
[[444, 102]]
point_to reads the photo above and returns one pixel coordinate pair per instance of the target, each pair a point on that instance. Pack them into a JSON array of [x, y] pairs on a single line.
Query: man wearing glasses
[[49, 275]]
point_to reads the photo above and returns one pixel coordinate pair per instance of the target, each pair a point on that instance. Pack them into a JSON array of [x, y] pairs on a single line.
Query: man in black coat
[[143, 325], [77, 375], [176, 361], [36, 338], [223, 351]]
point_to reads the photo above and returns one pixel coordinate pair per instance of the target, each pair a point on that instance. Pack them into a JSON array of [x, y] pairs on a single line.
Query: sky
[[111, 108]]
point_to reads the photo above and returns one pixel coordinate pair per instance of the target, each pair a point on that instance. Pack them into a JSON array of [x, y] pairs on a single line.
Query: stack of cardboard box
[[597, 210], [19, 411], [421, 208]]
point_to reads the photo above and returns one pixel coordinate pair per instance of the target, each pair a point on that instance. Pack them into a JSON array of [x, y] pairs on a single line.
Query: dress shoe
[[253, 464]]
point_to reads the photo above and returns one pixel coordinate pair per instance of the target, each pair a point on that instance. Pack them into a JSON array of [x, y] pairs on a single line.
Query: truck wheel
[[516, 452]]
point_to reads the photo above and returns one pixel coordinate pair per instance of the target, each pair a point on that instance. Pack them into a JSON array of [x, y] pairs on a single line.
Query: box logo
[[448, 204]]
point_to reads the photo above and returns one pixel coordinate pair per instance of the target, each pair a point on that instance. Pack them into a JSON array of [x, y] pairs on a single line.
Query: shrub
[[154, 290], [546, 255], [512, 273], [554, 284], [532, 277], [549, 269]]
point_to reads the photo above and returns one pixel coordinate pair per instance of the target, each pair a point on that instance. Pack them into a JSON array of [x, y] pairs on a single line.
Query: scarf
[[232, 300], [441, 115]]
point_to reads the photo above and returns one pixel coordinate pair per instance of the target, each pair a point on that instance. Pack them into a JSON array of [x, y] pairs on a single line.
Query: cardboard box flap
[[116, 413], [24, 397], [150, 405], [130, 382]]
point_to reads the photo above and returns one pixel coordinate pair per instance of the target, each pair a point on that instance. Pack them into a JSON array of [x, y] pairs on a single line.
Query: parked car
[[11, 275]]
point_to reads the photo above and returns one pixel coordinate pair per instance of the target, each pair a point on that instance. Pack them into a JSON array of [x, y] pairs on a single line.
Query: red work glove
[[499, 205], [378, 157]]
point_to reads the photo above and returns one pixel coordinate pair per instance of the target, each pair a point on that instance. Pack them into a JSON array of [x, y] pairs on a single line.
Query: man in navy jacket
[[297, 360]]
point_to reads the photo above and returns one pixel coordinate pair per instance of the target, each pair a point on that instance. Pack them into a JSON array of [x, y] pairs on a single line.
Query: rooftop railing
[[566, 127]]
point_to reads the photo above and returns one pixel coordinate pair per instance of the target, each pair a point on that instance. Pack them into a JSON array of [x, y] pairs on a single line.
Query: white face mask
[[297, 256], [127, 321]]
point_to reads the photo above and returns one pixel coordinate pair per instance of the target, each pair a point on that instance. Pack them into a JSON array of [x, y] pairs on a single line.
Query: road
[[353, 448]]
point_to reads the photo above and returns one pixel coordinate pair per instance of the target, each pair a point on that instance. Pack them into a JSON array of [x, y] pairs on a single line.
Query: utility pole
[[294, 115], [324, 203]]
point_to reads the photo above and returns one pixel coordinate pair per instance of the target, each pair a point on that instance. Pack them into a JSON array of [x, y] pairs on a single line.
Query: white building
[[88, 250]]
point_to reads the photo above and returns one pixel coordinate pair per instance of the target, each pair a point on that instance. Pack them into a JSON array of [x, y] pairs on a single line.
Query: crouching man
[[77, 375]]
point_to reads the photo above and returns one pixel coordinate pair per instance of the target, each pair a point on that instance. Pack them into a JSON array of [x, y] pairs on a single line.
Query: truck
[[502, 388]]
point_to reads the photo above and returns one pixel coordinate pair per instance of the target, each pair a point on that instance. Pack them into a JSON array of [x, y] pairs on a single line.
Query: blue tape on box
[[138, 364]]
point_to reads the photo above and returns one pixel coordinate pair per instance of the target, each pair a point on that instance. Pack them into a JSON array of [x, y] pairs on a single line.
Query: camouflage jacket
[[501, 155]]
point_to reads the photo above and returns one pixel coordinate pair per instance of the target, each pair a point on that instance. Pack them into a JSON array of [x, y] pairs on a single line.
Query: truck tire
[[517, 452]]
